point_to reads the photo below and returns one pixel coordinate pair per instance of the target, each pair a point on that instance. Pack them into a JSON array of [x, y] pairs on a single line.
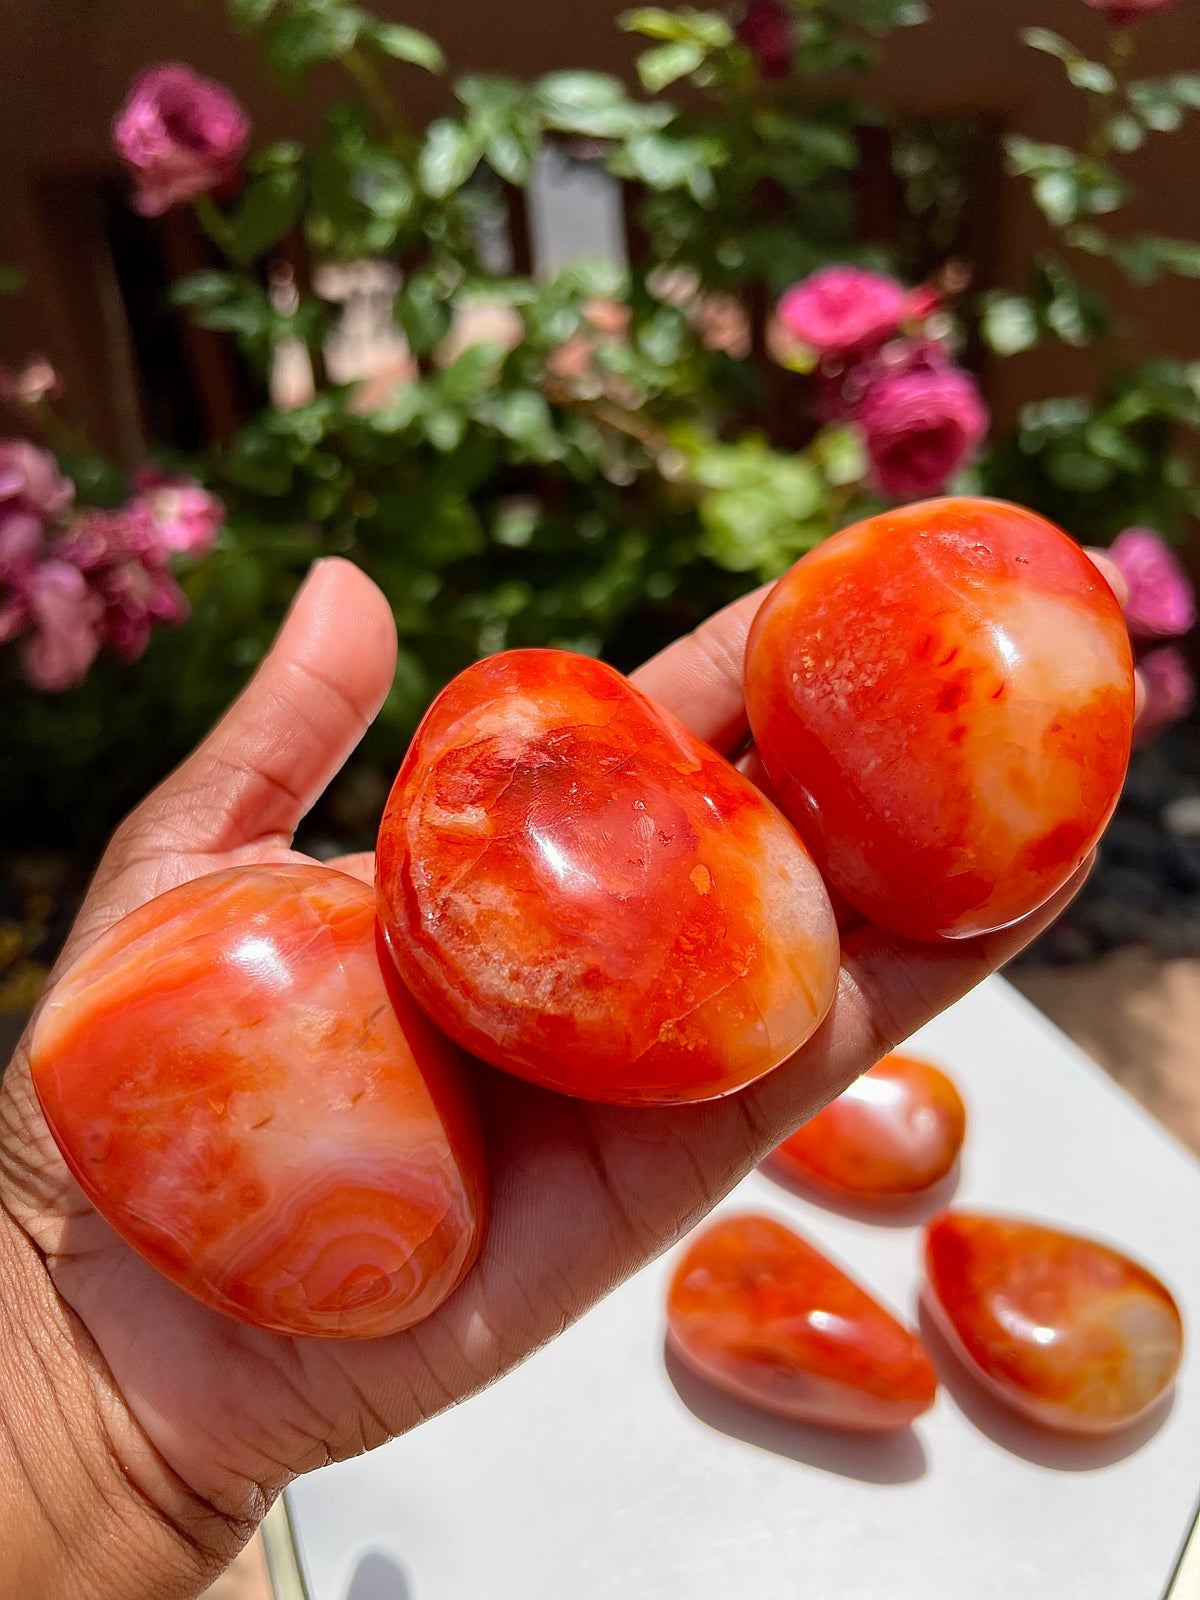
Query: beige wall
[[65, 65]]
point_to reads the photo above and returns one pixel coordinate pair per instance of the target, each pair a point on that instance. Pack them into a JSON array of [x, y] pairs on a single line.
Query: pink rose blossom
[[30, 481], [920, 427], [842, 309], [32, 493], [180, 135], [65, 615], [767, 29], [188, 518], [1123, 13], [125, 560], [1162, 602], [135, 597], [1170, 692], [20, 544]]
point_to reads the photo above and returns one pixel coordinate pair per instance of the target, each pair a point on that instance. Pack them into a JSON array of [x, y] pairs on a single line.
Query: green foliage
[[595, 470], [1099, 462]]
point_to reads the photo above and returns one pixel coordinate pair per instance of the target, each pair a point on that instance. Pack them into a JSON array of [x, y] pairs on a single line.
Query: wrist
[[88, 1508]]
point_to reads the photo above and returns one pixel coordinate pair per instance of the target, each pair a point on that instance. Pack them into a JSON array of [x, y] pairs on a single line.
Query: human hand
[[143, 1435]]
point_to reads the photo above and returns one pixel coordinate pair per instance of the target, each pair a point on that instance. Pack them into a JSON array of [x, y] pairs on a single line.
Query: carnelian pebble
[[245, 1091], [895, 1131], [756, 1310], [943, 698], [1065, 1330], [582, 892]]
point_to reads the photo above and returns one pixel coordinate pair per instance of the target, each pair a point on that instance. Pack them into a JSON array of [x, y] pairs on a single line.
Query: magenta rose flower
[[65, 616], [31, 482], [920, 427], [32, 493], [840, 310], [125, 561], [187, 517], [1162, 602], [180, 135], [767, 29], [1123, 13], [1170, 692]]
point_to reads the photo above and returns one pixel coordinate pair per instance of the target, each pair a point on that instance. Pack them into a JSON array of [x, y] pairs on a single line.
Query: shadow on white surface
[[896, 1457], [910, 1212], [1060, 1452], [378, 1577]]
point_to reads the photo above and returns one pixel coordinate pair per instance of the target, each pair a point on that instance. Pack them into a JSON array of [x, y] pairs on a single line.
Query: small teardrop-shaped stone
[[758, 1312], [1066, 1330], [894, 1132], [582, 892]]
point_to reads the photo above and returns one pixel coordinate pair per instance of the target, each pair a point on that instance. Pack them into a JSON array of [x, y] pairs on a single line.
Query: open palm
[[209, 1418]]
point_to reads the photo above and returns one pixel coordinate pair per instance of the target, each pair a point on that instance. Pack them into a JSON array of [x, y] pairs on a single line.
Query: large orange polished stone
[[943, 697], [580, 891], [760, 1313], [247, 1094], [894, 1132], [1068, 1331]]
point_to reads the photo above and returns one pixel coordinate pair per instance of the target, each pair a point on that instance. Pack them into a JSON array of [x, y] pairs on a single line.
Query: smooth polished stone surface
[[1064, 1329], [894, 1132], [579, 890], [245, 1091], [943, 697], [756, 1310]]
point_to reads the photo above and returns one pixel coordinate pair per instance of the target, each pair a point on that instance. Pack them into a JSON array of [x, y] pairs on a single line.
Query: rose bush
[[594, 460]]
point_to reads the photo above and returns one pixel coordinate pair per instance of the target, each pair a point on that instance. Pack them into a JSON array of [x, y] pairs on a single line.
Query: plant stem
[[215, 224], [375, 92]]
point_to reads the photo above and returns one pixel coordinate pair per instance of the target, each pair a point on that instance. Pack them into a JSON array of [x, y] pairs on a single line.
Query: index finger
[[699, 677]]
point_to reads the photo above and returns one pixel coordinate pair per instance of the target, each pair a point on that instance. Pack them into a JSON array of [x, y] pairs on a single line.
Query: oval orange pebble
[[1068, 1331], [246, 1093], [943, 697], [759, 1312], [579, 890], [895, 1131]]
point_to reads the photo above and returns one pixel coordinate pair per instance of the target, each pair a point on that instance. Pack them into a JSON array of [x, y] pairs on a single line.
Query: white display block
[[589, 1475]]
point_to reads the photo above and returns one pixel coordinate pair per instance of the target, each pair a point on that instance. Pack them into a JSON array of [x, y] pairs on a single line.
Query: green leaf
[[1158, 105], [523, 416], [654, 23], [667, 64], [266, 212], [1092, 76], [1057, 195], [664, 162], [407, 44], [448, 157], [1009, 323], [305, 39], [208, 288], [595, 104], [840, 454], [12, 279], [277, 157], [1050, 43], [422, 312], [472, 373], [1084, 74], [707, 29], [382, 183], [1123, 132], [251, 13]]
